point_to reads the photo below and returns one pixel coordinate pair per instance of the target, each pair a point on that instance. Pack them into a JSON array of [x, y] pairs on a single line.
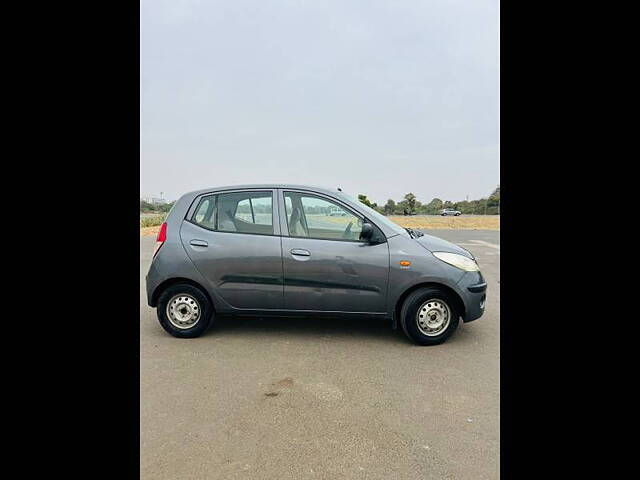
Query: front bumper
[[472, 288]]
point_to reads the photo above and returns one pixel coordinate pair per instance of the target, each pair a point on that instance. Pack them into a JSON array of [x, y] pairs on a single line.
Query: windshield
[[375, 216]]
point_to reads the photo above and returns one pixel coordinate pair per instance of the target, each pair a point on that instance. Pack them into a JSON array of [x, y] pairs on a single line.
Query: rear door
[[326, 267], [233, 239]]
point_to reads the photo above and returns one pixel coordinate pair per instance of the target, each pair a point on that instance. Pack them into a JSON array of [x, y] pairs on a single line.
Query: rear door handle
[[300, 252], [198, 243]]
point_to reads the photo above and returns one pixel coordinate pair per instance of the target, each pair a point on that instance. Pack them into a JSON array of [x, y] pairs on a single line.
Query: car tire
[[435, 302], [444, 214], [457, 214], [184, 311]]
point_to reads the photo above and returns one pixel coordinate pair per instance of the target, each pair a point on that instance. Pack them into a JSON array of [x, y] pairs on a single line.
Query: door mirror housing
[[367, 232]]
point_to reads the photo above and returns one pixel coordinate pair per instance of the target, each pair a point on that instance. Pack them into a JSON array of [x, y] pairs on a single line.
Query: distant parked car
[[337, 213], [447, 211]]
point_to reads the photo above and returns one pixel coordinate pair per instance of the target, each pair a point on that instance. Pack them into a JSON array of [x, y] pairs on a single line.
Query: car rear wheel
[[184, 311], [429, 316]]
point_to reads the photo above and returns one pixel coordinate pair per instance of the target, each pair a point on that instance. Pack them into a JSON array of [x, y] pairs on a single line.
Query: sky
[[379, 97]]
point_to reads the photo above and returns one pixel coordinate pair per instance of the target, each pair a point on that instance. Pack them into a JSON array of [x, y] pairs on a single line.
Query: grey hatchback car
[[283, 250]]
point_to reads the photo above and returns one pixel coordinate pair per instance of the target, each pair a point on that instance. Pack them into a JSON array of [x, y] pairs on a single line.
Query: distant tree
[[476, 207], [363, 199], [463, 207], [165, 207], [433, 207], [145, 206], [389, 207], [411, 202], [493, 203]]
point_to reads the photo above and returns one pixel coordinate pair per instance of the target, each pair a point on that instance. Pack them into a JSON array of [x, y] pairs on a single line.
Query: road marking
[[486, 244]]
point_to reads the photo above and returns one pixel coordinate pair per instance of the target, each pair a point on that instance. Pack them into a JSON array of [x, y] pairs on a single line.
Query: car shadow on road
[[363, 328], [320, 327]]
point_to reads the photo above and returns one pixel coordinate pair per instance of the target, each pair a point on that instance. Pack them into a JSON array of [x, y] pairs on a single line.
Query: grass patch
[[149, 231], [155, 221]]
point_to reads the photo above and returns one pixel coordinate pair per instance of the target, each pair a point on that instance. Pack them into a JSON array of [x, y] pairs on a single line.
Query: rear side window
[[242, 212], [205, 214]]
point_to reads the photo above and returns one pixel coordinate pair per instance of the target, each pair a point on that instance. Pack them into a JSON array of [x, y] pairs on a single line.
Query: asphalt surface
[[316, 398]]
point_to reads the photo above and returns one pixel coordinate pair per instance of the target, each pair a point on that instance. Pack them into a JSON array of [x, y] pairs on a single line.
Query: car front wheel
[[184, 311], [429, 316]]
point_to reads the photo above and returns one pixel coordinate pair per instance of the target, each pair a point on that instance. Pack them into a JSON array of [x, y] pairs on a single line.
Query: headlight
[[459, 261]]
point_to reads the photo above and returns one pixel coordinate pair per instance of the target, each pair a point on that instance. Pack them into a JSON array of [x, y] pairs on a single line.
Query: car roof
[[265, 185]]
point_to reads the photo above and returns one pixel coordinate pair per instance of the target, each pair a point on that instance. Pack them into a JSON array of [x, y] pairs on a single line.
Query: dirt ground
[[437, 222]]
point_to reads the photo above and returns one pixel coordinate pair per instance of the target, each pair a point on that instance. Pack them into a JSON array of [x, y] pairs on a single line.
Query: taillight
[[162, 237]]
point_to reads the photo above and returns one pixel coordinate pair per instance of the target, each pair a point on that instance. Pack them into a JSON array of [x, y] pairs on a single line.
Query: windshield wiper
[[414, 233]]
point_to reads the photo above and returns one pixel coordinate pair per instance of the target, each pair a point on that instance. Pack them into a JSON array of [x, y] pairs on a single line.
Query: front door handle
[[300, 252], [198, 243]]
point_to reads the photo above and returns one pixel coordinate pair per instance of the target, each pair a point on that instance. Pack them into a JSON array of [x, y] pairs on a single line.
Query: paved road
[[325, 399]]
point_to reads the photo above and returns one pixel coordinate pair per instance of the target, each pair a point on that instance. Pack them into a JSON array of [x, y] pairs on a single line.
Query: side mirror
[[367, 232]]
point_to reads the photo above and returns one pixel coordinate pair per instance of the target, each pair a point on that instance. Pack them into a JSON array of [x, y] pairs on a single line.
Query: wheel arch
[[174, 281], [413, 288]]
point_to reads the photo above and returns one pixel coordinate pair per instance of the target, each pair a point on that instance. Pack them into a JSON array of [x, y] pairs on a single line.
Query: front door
[[231, 239], [326, 267]]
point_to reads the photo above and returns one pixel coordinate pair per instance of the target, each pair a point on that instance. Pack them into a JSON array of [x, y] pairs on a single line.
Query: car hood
[[435, 244]]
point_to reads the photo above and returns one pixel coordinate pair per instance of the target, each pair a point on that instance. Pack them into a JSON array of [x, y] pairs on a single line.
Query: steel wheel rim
[[183, 311], [433, 317]]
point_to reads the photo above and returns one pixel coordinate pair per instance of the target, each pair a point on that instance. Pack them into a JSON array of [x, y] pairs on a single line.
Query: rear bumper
[[152, 280], [170, 263], [473, 289]]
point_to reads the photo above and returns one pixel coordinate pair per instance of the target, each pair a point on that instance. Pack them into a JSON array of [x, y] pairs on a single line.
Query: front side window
[[315, 217], [377, 217], [243, 212]]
